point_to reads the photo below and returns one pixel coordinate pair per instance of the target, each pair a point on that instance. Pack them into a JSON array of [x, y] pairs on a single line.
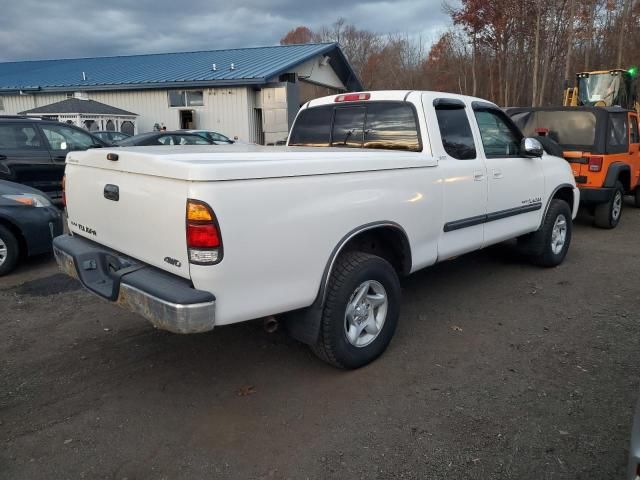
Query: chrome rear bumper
[[168, 302]]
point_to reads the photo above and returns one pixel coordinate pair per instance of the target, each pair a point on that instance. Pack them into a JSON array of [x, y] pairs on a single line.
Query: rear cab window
[[379, 125], [455, 130]]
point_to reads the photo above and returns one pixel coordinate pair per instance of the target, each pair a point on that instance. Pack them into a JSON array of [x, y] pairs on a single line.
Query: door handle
[[497, 174], [478, 176]]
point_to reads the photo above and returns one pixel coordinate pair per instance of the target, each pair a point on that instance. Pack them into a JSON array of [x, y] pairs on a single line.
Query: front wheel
[[548, 246], [9, 251], [361, 311]]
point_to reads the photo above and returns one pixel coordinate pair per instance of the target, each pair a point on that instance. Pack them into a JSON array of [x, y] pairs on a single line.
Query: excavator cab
[[605, 88]]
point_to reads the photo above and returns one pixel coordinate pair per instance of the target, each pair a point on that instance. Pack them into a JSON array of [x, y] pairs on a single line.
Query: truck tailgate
[[141, 216]]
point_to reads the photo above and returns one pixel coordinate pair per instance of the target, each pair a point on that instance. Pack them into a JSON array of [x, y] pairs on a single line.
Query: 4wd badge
[[173, 261]]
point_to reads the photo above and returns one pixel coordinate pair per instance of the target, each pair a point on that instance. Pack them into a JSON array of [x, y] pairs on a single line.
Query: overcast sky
[[37, 29]]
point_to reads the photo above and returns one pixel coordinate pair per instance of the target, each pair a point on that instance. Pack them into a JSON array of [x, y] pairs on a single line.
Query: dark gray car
[[634, 449], [164, 138], [28, 224]]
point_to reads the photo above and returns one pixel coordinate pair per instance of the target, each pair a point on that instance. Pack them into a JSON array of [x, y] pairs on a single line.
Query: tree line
[[513, 52]]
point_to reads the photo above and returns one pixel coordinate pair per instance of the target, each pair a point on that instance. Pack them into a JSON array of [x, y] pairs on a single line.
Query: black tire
[[607, 215], [538, 245], [8, 263], [353, 269], [636, 197]]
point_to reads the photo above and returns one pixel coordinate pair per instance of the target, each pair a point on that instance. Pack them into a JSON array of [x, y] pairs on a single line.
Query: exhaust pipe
[[271, 324]]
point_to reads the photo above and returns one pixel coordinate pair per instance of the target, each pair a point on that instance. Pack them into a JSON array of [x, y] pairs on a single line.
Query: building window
[[127, 127], [186, 98], [1, 105]]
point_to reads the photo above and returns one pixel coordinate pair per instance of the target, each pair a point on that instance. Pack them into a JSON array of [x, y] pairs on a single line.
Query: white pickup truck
[[370, 187]]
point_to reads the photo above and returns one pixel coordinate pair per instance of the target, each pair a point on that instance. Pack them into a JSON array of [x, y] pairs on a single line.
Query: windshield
[[568, 128], [599, 87]]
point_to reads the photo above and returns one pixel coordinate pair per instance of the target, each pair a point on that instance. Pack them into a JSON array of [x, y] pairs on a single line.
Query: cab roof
[[394, 95]]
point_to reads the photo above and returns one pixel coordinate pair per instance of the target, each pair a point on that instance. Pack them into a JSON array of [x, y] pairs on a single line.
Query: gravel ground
[[498, 370]]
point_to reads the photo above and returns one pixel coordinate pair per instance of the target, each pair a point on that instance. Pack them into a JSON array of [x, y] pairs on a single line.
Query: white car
[[372, 186]]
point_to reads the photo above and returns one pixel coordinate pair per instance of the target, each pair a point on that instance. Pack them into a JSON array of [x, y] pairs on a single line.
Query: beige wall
[[14, 104], [225, 110]]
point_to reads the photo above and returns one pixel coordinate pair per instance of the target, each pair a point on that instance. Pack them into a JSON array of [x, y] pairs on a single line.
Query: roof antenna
[[84, 76], [214, 68], [233, 66]]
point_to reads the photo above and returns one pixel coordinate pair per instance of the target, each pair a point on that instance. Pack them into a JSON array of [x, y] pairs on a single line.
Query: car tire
[[548, 246], [607, 215], [360, 312], [9, 250], [636, 197]]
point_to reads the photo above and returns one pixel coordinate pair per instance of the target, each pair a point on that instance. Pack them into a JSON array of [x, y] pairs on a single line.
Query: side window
[[499, 140], [191, 140], [455, 132], [633, 133], [618, 130], [391, 126], [19, 137], [312, 127], [217, 137], [61, 137], [165, 140], [348, 127]]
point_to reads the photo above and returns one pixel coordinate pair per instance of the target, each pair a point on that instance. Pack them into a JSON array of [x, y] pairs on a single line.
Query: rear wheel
[[9, 250], [607, 215], [361, 311]]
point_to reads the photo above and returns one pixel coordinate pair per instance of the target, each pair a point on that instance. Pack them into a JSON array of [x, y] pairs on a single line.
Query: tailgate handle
[[111, 192]]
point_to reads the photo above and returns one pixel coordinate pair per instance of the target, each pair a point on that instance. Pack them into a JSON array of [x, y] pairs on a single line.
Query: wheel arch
[[385, 239], [564, 191], [618, 171]]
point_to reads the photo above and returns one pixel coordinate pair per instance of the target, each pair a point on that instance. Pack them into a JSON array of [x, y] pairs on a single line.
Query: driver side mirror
[[531, 148]]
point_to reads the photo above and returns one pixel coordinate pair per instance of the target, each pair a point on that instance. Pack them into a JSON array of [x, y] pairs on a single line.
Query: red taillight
[[203, 234], [352, 97], [64, 191], [595, 164]]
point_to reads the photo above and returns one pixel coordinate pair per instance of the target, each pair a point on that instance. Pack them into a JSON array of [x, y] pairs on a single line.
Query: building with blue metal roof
[[250, 93]]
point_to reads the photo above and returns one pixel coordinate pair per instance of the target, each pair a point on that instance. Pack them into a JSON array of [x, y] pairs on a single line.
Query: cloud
[[37, 29]]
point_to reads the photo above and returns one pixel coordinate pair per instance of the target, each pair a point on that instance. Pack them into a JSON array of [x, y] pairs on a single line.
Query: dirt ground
[[498, 370]]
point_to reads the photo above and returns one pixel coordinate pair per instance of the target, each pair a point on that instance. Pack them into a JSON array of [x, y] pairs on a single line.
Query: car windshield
[[568, 128], [599, 87]]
